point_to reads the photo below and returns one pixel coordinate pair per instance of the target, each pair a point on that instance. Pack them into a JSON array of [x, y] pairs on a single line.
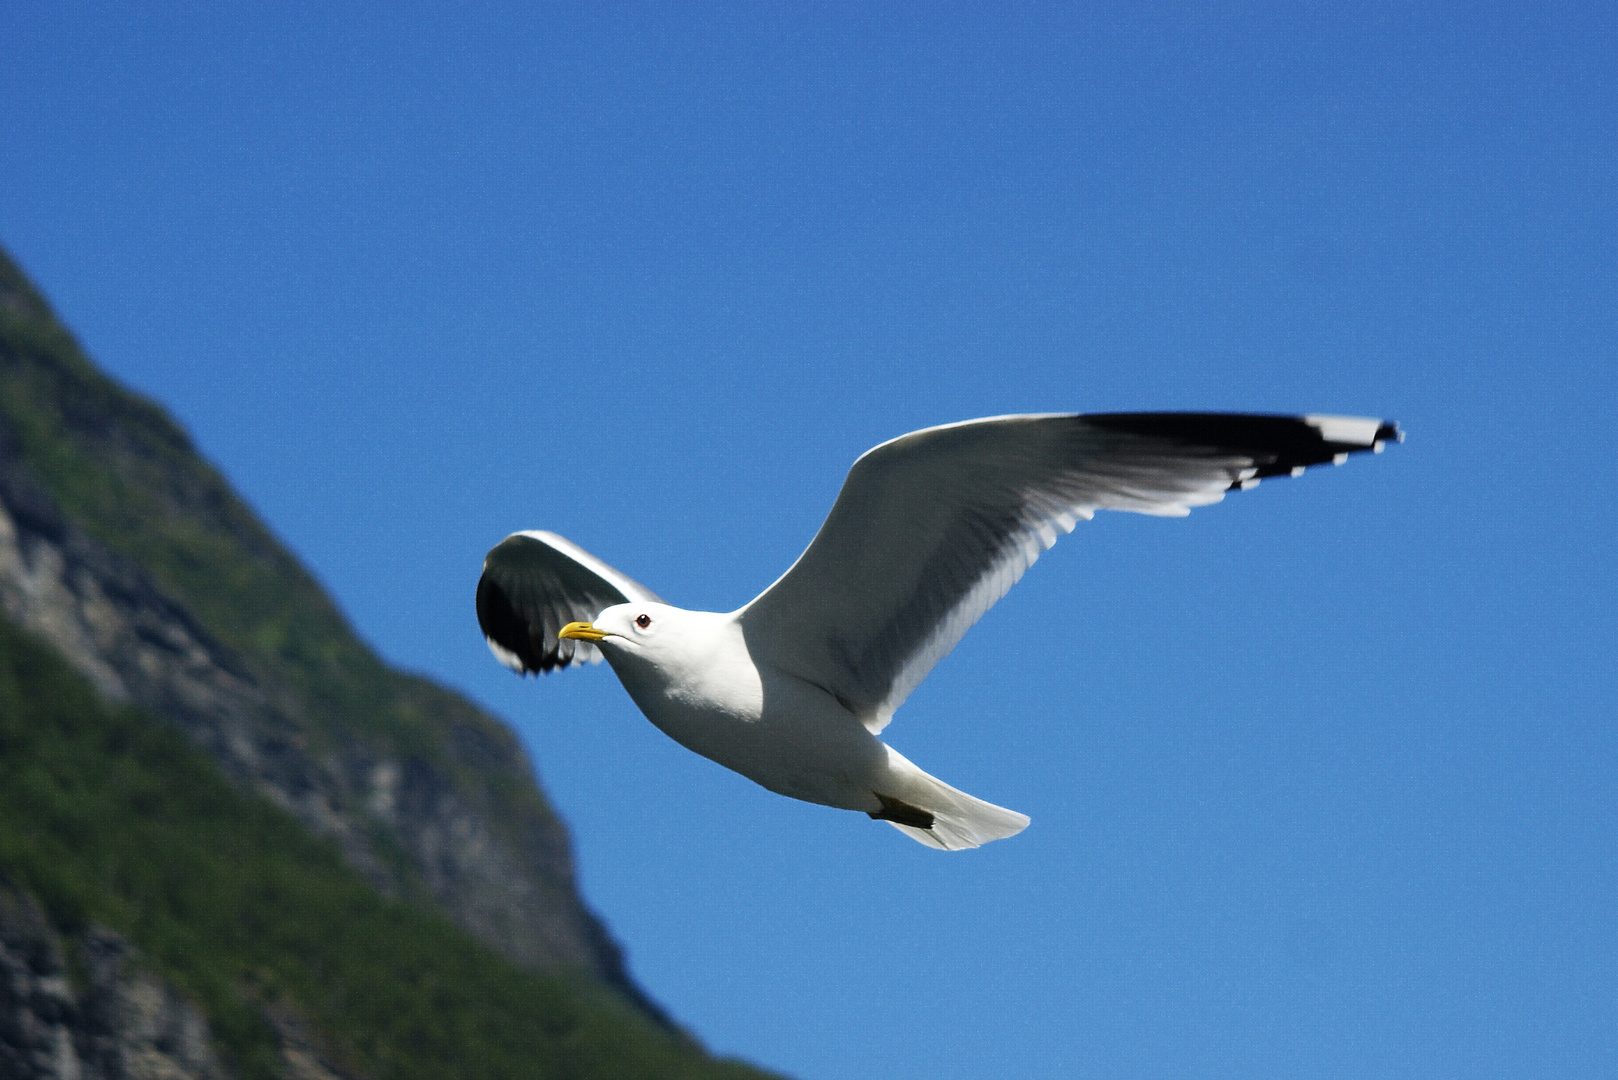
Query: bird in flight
[[929, 530]]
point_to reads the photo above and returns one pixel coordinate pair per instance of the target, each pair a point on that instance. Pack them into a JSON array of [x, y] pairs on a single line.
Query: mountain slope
[[131, 556], [422, 789], [110, 818]]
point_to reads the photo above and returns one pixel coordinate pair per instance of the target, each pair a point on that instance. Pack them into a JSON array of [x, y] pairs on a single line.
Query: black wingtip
[[501, 625], [1277, 445]]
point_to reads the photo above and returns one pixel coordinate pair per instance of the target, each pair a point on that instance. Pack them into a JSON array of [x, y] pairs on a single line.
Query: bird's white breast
[[697, 682], [704, 691]]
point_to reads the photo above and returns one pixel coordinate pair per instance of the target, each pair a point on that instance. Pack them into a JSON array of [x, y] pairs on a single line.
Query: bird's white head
[[654, 644], [637, 625], [647, 632]]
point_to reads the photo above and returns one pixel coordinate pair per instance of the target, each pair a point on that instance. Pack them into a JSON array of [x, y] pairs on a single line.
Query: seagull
[[929, 530]]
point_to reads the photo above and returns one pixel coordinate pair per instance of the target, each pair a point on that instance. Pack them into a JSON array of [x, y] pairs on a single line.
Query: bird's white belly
[[778, 731]]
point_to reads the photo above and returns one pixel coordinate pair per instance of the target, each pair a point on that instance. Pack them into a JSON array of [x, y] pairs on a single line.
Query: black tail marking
[[897, 810]]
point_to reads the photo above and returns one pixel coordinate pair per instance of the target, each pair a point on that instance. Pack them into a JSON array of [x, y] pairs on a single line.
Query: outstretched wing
[[932, 528], [535, 583]]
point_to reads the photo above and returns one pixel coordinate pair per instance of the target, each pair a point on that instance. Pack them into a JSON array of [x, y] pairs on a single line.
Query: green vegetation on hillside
[[109, 816]]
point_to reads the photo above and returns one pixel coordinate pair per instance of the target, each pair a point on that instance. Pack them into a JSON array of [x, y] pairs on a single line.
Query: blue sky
[[1324, 779]]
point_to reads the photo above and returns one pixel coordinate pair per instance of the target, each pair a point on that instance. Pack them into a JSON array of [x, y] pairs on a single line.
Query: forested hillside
[[232, 840]]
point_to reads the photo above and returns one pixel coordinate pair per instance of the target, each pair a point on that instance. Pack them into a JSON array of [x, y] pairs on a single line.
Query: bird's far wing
[[932, 528], [535, 583]]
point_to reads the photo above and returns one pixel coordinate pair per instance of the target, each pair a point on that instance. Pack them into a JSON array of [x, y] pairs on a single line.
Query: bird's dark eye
[[643, 621]]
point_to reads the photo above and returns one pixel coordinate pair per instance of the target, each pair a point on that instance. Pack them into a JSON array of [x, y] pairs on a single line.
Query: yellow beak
[[583, 631]]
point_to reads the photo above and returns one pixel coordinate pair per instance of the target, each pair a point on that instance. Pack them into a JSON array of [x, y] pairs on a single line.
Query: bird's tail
[[957, 820]]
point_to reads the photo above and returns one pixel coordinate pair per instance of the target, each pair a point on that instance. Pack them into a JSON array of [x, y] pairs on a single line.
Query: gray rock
[[118, 1022]]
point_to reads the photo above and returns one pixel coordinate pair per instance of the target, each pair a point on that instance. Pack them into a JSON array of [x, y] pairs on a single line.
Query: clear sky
[[1324, 779]]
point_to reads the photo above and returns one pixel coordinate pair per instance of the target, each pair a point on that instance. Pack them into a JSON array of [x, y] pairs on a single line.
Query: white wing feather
[[932, 528]]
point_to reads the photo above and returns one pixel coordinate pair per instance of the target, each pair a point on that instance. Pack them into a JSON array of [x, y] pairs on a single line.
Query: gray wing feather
[[932, 528]]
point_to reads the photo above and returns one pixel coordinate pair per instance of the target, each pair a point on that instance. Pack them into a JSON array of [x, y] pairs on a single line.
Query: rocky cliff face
[[110, 1022], [432, 800], [106, 1016]]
